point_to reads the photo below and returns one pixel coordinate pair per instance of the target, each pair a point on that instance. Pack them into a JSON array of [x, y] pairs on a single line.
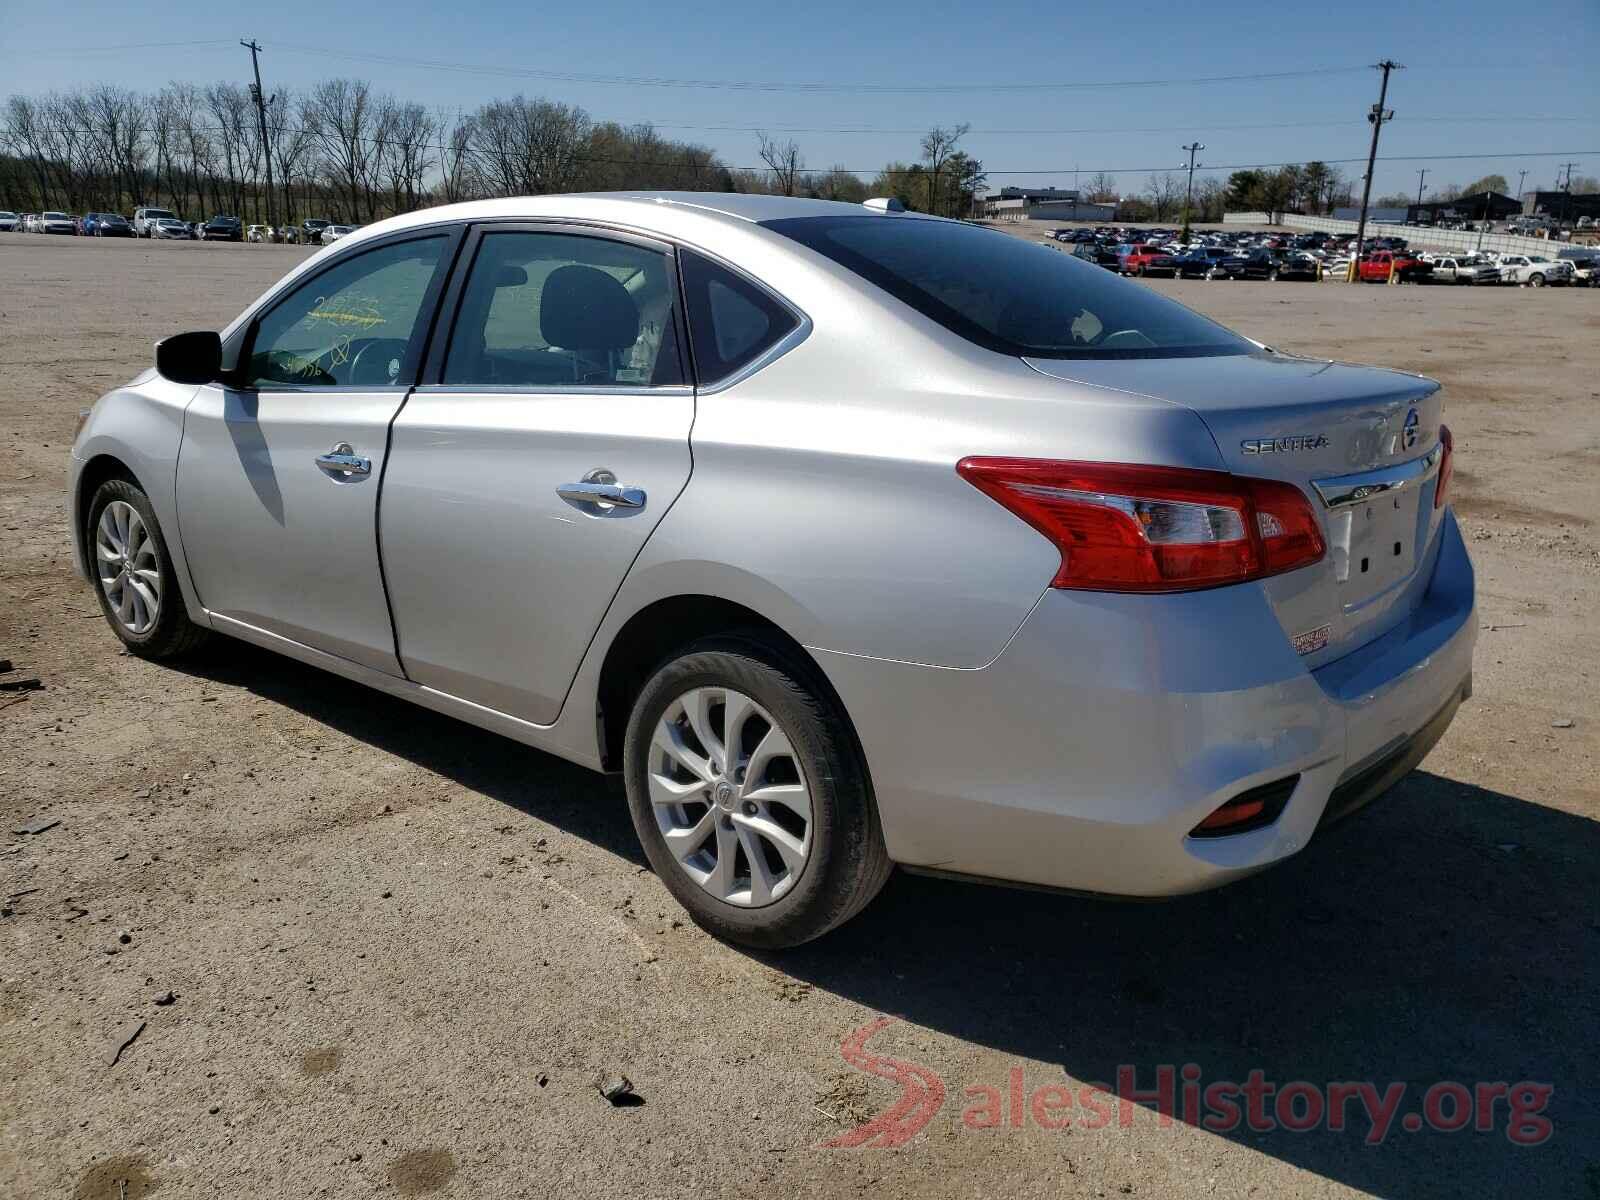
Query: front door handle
[[605, 494], [343, 460]]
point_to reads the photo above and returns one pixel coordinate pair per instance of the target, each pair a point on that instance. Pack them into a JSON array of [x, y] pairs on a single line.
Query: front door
[[279, 471], [550, 435]]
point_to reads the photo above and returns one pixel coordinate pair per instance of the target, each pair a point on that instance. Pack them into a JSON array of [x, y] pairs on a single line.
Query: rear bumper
[[1110, 726]]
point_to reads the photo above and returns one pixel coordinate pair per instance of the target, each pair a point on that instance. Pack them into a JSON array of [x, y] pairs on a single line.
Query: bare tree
[[457, 164], [1100, 189], [838, 184], [526, 147], [341, 150], [785, 160], [405, 134], [1165, 192], [938, 145], [339, 115], [25, 135]]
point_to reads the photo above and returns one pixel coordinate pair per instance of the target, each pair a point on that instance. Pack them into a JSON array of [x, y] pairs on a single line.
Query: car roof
[[663, 211]]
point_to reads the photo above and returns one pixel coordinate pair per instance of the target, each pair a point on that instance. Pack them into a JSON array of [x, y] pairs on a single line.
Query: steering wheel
[[378, 363]]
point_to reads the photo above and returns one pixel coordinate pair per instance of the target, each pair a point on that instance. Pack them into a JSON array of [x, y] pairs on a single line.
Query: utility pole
[[1188, 194], [1421, 175], [261, 116], [1377, 117], [1566, 205]]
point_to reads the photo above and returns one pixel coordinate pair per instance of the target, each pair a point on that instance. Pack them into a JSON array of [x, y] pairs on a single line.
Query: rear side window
[[544, 310], [1008, 295], [732, 322]]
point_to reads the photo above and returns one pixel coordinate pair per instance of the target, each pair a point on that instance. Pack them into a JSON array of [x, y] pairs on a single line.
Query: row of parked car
[[163, 224], [1268, 256]]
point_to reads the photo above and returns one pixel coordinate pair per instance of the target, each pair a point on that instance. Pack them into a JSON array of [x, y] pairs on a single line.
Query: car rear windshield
[[1009, 295]]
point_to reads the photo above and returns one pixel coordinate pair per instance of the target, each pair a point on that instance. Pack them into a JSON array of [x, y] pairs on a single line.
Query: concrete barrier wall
[[1436, 239]]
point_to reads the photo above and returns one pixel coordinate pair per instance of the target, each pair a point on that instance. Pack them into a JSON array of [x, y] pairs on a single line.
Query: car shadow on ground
[[1447, 934], [581, 802]]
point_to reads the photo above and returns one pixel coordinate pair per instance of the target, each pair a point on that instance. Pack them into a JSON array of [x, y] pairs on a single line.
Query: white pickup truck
[[1533, 271], [1462, 268]]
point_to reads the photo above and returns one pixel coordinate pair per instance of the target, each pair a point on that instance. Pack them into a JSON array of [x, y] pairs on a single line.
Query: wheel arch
[[672, 623], [99, 469]]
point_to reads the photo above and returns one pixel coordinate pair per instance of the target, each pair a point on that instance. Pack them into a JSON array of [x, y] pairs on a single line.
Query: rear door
[[550, 435]]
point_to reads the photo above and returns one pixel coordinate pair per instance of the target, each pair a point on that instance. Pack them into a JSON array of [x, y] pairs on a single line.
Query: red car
[[1377, 266], [1145, 260]]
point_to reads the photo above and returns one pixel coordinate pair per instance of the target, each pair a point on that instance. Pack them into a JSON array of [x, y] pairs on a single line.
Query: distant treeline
[[348, 153]]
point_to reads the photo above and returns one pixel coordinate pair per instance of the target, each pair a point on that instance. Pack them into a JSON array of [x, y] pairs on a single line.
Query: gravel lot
[[402, 949]]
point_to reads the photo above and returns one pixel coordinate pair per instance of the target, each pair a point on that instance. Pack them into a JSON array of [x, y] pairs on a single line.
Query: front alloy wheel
[[130, 573], [136, 585]]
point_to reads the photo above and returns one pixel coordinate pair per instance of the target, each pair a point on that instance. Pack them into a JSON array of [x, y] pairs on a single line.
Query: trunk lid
[[1316, 424]]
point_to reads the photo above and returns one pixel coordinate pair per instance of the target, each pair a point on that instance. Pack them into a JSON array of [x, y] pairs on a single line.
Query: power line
[[810, 87], [1098, 129], [36, 51]]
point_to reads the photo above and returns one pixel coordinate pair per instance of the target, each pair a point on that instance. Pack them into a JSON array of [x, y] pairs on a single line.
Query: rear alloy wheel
[[135, 583], [749, 796]]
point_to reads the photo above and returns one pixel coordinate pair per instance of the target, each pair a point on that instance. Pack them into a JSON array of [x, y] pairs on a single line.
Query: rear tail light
[[1153, 529], [1447, 467]]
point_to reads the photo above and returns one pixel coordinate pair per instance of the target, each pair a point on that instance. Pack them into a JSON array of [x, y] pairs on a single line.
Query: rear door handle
[[345, 461], [602, 493]]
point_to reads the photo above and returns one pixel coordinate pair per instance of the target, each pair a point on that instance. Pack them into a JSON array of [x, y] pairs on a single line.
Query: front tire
[[134, 577], [749, 795], [1536, 281]]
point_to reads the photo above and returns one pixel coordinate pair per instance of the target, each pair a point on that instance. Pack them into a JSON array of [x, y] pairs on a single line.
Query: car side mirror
[[190, 357]]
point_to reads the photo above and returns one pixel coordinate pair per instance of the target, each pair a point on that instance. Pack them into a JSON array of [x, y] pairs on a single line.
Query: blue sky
[[1479, 75]]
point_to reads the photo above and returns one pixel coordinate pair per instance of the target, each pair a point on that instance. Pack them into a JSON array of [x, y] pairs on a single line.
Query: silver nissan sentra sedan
[[851, 537]]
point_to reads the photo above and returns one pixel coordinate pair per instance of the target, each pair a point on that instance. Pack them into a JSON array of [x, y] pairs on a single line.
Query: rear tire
[[822, 851], [134, 578]]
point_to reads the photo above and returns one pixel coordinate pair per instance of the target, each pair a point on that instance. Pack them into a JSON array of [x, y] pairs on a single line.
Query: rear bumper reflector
[[1253, 809]]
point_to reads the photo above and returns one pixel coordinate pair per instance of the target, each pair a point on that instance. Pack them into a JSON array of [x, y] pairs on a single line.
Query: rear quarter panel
[[824, 493]]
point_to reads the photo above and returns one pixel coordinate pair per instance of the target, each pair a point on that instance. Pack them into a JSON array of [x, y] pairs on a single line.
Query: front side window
[[1009, 295], [564, 310], [353, 325]]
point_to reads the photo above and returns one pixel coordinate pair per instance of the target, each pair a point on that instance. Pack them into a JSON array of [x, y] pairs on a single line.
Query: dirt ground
[[401, 949]]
